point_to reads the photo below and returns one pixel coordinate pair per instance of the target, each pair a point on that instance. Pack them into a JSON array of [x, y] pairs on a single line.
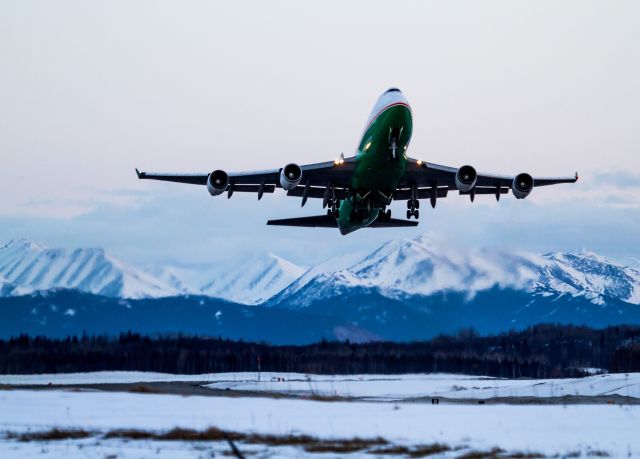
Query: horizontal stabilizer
[[392, 223], [324, 221], [316, 221]]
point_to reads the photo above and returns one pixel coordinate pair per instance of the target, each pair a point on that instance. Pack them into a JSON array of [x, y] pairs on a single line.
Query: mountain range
[[405, 289], [27, 267]]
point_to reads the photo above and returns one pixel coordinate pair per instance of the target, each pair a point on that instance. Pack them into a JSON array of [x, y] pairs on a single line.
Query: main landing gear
[[412, 208], [333, 210]]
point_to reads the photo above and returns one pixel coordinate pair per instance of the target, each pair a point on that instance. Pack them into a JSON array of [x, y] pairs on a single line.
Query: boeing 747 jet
[[358, 190]]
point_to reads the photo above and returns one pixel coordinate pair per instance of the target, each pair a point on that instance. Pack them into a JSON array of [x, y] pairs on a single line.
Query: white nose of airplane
[[391, 96]]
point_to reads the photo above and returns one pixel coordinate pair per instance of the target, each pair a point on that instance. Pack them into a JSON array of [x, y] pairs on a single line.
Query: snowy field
[[403, 387], [104, 377], [543, 429], [378, 411], [368, 387]]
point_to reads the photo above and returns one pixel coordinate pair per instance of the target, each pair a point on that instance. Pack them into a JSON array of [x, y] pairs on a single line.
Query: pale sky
[[90, 90]]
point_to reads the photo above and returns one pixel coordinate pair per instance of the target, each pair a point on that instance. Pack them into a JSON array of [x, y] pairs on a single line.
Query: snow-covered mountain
[[255, 280], [180, 279], [28, 267], [5, 286], [400, 269], [423, 266], [407, 289], [590, 275], [250, 281]]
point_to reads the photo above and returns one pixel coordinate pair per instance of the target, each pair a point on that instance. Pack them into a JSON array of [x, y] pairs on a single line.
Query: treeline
[[543, 351]]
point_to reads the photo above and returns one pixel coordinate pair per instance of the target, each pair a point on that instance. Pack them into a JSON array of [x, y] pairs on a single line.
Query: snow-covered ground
[[547, 429], [399, 387], [374, 387], [103, 377]]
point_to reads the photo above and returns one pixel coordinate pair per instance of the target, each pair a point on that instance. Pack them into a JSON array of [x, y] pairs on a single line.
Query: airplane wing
[[432, 181], [428, 174], [336, 173], [423, 180]]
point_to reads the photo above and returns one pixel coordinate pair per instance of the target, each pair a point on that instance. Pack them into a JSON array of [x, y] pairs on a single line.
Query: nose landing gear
[[394, 138]]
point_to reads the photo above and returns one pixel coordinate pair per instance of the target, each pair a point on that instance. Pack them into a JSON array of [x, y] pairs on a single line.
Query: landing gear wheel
[[416, 204], [416, 213], [388, 214], [409, 206], [409, 213]]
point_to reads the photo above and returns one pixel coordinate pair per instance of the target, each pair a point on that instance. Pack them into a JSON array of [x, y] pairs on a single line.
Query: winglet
[[577, 177], [139, 174]]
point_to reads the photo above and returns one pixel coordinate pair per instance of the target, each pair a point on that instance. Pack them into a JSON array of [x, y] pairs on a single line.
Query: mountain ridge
[[27, 267], [31, 267], [421, 267], [402, 268], [406, 289]]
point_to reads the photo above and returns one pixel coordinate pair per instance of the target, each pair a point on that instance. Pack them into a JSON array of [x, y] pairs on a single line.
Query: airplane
[[358, 190]]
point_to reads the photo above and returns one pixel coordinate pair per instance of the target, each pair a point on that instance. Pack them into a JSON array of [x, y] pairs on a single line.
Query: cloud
[[617, 179], [615, 189], [72, 203], [184, 225]]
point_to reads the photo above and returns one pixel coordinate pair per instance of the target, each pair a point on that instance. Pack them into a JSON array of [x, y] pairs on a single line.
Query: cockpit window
[[392, 90]]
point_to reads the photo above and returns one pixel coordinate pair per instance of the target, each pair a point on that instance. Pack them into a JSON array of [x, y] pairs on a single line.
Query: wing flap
[[485, 190], [316, 192], [253, 188], [421, 193]]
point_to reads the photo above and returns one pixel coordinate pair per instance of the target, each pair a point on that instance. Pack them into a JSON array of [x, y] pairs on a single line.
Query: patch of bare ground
[[428, 450], [310, 444], [417, 451], [391, 450], [497, 453], [53, 434], [341, 446], [177, 434], [374, 446], [144, 389]]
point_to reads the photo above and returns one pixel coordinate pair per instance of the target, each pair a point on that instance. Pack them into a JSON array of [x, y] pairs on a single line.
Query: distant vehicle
[[358, 189]]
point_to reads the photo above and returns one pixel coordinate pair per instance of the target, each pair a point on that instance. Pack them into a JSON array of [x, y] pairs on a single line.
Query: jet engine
[[290, 176], [522, 185], [466, 178], [217, 182]]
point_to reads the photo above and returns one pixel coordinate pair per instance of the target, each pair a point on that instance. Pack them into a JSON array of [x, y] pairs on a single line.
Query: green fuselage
[[381, 162]]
